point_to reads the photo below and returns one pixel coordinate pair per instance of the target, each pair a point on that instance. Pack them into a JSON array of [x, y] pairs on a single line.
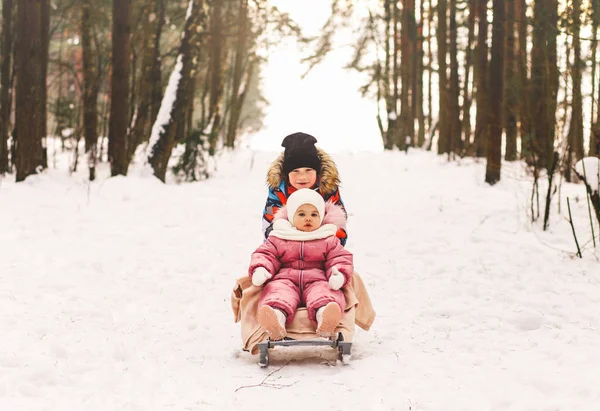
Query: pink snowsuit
[[301, 270]]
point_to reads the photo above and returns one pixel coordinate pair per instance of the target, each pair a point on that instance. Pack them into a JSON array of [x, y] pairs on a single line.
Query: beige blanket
[[244, 302]]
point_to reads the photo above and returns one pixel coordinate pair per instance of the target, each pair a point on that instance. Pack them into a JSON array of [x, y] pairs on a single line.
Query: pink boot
[[328, 318], [273, 321]]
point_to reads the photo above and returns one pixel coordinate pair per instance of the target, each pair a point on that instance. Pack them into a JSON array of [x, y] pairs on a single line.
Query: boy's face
[[307, 218], [304, 177]]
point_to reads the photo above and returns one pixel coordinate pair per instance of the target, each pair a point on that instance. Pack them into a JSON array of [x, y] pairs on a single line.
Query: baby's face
[[307, 218]]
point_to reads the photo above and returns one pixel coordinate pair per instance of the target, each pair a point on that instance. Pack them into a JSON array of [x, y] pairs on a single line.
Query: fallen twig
[[587, 197], [263, 383], [573, 228]]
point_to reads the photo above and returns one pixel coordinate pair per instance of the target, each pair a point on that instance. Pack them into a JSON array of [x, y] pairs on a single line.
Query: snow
[[115, 295], [188, 13], [592, 171], [166, 106]]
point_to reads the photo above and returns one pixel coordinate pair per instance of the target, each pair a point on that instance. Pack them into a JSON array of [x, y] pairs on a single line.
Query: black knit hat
[[300, 151]]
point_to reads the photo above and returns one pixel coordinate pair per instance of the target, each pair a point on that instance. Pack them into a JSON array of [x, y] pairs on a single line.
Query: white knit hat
[[304, 196]]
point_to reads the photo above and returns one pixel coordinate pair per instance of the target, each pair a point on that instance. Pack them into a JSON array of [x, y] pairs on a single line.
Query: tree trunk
[[567, 95], [406, 129], [444, 127], [494, 152], [594, 149], [575, 146], [539, 81], [59, 92], [467, 96], [397, 74], [394, 118], [456, 145], [90, 89], [544, 79], [28, 102], [390, 103], [171, 112], [104, 127], [414, 64], [142, 121], [156, 75], [217, 70], [511, 85], [235, 117], [481, 80], [430, 67], [119, 105], [524, 88], [419, 70], [552, 36], [45, 33], [240, 64], [5, 95]]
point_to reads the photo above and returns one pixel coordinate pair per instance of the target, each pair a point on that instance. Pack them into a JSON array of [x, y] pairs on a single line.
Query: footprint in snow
[[527, 321]]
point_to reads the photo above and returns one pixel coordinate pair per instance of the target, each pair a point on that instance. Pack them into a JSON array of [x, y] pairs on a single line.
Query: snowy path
[[118, 299]]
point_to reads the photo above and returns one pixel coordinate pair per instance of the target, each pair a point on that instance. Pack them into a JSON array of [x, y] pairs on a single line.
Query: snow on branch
[[189, 10], [166, 106]]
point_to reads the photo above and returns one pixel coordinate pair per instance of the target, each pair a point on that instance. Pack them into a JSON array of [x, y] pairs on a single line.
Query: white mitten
[[260, 275], [336, 280]]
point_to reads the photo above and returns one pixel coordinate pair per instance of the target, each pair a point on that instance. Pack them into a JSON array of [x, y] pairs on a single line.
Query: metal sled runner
[[344, 347]]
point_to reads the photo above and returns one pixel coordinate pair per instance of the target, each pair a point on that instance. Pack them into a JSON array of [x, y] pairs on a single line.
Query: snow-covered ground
[[115, 295]]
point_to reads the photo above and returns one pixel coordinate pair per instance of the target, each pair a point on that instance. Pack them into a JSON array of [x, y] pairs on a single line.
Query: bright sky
[[326, 103]]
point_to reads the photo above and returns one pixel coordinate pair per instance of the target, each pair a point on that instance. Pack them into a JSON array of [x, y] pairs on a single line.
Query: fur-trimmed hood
[[329, 179]]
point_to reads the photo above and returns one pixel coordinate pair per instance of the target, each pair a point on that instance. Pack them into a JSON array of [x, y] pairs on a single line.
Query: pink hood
[[334, 214]]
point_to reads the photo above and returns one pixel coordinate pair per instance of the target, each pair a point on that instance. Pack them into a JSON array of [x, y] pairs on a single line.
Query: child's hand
[[260, 275], [336, 280]]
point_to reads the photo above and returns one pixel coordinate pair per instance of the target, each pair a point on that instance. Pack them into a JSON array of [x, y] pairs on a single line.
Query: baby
[[301, 165], [302, 263]]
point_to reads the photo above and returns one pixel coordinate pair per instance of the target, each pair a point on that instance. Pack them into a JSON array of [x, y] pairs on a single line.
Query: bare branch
[[264, 382]]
